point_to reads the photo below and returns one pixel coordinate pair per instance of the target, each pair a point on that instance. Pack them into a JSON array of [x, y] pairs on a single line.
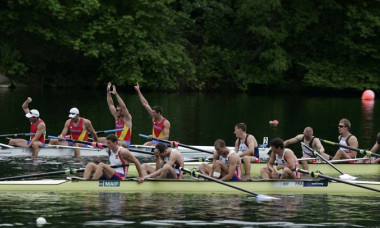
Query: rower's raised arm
[[110, 103], [25, 105], [143, 101]]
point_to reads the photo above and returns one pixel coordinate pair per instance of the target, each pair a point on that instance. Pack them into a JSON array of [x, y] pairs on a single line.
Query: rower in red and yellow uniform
[[161, 126], [79, 128], [168, 163], [123, 119], [37, 130]]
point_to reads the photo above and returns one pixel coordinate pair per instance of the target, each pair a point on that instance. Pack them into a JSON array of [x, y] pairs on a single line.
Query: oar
[[17, 135], [67, 172], [198, 174], [5, 145], [366, 152], [176, 144], [317, 174], [316, 153], [100, 145], [94, 144], [108, 131]]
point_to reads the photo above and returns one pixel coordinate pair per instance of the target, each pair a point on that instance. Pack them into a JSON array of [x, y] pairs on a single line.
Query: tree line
[[192, 45]]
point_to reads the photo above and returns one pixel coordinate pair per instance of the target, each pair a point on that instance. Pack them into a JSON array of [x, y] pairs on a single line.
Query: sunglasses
[[341, 126]]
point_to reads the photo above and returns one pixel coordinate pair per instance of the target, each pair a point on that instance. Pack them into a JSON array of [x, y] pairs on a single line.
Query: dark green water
[[196, 119], [199, 119]]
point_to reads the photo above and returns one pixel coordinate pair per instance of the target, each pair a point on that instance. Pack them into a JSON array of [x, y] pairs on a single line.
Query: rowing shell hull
[[62, 151], [352, 169], [189, 187]]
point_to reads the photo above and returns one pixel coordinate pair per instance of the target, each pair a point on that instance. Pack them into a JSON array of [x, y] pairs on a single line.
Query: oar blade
[[347, 177]]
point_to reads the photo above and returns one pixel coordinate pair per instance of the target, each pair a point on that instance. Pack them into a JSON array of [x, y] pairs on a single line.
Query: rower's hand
[[29, 100], [150, 137], [141, 180], [137, 87], [113, 89], [60, 137], [109, 86]]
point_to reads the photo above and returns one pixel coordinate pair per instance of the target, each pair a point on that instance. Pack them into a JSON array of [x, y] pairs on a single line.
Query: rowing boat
[[352, 169], [67, 151], [189, 186]]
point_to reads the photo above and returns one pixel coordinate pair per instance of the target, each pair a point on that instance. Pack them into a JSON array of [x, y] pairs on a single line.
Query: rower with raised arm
[[118, 156], [247, 148], [226, 164], [308, 138], [123, 119], [375, 148], [79, 128], [168, 163], [161, 126], [285, 160], [347, 139], [37, 130]]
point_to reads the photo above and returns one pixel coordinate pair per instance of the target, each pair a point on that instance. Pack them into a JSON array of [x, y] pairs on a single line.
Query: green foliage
[[192, 44]]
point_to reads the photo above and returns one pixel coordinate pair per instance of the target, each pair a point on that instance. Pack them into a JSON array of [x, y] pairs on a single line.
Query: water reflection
[[185, 210], [367, 126]]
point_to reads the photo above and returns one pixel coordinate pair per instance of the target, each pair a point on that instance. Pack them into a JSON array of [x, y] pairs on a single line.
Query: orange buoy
[[368, 95]]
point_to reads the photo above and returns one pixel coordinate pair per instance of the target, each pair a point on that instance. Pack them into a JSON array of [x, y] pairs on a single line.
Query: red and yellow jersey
[[33, 129], [78, 132], [126, 133], [158, 128]]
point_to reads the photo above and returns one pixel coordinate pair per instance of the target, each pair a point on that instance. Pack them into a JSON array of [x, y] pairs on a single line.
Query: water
[[196, 119], [184, 210]]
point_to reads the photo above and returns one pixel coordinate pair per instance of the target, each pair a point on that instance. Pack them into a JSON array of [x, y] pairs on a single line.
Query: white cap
[[73, 112], [33, 113]]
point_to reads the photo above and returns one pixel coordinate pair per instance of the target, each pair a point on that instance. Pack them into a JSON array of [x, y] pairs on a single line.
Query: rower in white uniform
[[118, 156], [168, 163], [284, 158]]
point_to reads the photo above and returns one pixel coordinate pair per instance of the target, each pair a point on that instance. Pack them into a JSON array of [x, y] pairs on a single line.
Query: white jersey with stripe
[[306, 152], [282, 161], [175, 166], [225, 161], [116, 160], [345, 143]]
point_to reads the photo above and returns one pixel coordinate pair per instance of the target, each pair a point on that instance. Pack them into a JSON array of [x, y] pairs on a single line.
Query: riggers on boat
[[67, 151], [316, 186], [352, 169]]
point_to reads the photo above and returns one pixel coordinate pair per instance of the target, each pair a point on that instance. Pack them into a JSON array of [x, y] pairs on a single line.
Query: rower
[[247, 148], [118, 156], [161, 126], [79, 128], [123, 119], [308, 138], [168, 163], [375, 148], [347, 139], [37, 130], [226, 164], [285, 160]]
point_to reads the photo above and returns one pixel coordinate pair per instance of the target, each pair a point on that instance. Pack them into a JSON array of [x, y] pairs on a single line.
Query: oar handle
[[94, 144], [108, 131], [176, 144], [317, 154], [366, 152]]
